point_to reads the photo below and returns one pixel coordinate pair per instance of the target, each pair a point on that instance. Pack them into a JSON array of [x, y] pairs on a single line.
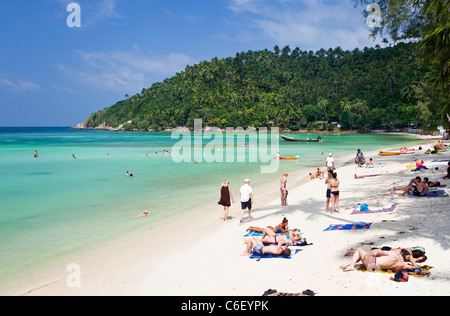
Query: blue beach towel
[[355, 226], [434, 194], [268, 256]]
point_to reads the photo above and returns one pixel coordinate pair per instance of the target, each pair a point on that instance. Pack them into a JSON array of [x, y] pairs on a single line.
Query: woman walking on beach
[[335, 193], [226, 198]]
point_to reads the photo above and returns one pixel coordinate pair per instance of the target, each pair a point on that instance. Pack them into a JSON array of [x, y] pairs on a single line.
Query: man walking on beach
[[330, 162], [246, 198]]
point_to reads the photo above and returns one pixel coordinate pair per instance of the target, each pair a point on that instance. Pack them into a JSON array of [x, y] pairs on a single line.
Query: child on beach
[[320, 174], [448, 172]]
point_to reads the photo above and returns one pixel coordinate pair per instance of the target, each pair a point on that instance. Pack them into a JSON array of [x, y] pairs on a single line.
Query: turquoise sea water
[[54, 205]]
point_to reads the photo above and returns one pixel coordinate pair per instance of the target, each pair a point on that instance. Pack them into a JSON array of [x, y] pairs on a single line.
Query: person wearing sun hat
[[330, 162]]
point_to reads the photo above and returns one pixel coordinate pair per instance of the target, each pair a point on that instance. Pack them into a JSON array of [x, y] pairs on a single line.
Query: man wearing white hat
[[330, 162], [246, 198]]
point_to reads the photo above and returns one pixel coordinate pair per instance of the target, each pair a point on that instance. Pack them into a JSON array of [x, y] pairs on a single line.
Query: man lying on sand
[[419, 189], [256, 246], [390, 260]]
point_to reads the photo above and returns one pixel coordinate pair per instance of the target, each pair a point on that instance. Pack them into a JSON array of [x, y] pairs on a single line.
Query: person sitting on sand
[[269, 237], [370, 164], [280, 228], [448, 172], [414, 182], [311, 176], [320, 174], [417, 188], [389, 260], [256, 246]]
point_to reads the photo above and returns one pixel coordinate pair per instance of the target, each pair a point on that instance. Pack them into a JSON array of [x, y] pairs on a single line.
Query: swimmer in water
[[143, 214]]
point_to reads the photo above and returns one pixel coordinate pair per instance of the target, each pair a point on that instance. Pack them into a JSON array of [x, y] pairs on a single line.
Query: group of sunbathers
[[274, 240], [376, 259], [419, 187]]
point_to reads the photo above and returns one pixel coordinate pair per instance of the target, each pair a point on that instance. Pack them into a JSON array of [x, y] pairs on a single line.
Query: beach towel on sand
[[268, 256], [431, 194], [420, 272], [390, 209], [355, 226]]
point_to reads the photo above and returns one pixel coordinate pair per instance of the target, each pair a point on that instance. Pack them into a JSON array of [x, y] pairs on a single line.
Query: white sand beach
[[201, 255]]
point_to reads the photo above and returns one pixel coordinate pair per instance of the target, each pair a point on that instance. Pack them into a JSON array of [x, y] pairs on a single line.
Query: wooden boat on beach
[[381, 153], [291, 139]]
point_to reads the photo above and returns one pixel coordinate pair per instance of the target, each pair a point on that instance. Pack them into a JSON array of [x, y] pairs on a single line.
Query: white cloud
[[310, 24], [18, 86], [126, 71]]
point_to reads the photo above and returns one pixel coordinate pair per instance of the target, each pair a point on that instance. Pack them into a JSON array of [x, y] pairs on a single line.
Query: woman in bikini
[[335, 193], [269, 237], [280, 228]]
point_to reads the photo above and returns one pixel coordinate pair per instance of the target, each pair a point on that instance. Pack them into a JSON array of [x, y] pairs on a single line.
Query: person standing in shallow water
[[226, 197]]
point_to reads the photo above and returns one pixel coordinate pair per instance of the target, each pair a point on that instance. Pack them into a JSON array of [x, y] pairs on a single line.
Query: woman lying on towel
[[373, 261], [269, 237], [280, 228], [413, 256]]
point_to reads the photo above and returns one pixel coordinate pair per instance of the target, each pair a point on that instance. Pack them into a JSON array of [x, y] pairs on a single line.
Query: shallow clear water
[[54, 205]]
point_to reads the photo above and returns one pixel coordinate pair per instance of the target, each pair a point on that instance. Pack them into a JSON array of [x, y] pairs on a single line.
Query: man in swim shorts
[[255, 245], [328, 183]]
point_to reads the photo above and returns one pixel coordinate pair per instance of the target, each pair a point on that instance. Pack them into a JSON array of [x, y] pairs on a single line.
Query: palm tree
[[322, 104], [346, 106]]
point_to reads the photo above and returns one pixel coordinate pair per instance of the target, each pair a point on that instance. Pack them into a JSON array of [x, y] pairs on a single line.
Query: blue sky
[[54, 75]]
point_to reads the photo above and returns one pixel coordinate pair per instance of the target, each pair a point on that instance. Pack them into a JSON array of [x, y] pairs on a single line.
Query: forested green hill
[[367, 89]]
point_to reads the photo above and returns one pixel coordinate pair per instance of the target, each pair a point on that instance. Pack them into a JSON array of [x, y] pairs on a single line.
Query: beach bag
[[364, 208]]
